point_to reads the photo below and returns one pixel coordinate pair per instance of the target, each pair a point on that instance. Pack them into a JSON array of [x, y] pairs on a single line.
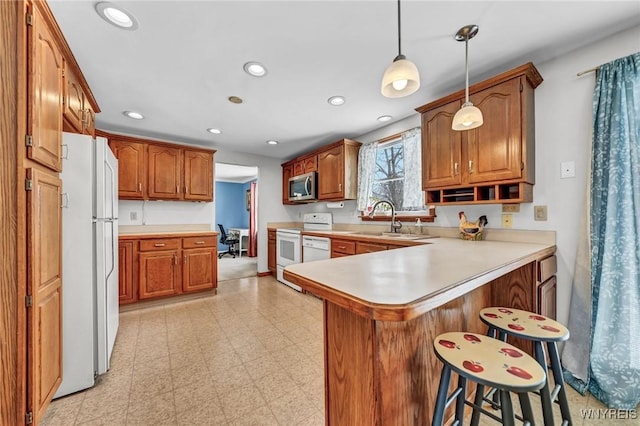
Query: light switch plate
[[507, 220], [540, 213]]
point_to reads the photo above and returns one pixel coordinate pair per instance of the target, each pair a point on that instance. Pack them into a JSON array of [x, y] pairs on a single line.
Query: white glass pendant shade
[[400, 79], [468, 117]]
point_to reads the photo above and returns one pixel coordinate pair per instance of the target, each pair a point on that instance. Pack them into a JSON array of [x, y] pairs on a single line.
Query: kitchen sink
[[391, 235]]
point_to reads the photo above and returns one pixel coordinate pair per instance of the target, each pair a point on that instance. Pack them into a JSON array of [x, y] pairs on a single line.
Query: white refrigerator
[[89, 260]]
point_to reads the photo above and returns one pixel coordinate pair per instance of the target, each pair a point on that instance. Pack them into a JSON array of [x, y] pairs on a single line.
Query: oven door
[[287, 248]]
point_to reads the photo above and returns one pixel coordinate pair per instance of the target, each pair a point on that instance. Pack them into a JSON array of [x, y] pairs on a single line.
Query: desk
[[242, 232]]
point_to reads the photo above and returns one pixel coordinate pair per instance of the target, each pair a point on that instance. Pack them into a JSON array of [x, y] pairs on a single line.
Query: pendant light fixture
[[401, 77], [469, 116]]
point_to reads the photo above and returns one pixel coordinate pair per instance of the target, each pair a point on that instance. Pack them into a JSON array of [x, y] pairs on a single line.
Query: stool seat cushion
[[524, 324], [489, 361]]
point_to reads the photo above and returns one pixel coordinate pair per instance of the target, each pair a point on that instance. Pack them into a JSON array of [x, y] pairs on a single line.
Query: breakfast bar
[[382, 311]]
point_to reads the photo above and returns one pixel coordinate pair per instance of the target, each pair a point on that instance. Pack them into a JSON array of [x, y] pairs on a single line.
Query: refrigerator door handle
[[113, 251], [114, 192]]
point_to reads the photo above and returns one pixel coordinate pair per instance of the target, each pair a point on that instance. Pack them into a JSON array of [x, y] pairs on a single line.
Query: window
[[392, 171]]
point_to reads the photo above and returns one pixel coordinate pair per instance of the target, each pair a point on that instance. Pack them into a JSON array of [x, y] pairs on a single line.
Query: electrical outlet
[[507, 220], [133, 215], [540, 213], [511, 208]]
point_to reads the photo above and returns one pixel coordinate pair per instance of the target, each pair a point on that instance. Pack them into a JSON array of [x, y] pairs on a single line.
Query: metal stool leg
[[545, 395], [462, 384], [527, 411], [441, 399], [559, 381], [478, 400], [508, 418]]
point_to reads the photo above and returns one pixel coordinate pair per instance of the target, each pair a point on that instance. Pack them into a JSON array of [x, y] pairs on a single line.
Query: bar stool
[[538, 329], [487, 362]]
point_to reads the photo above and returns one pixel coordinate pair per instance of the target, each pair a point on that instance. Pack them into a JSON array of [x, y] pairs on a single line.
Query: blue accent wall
[[231, 208]]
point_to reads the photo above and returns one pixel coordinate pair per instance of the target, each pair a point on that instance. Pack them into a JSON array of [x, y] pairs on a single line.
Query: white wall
[[165, 213]]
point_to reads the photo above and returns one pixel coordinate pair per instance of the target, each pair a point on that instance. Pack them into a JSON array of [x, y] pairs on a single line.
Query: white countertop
[[432, 274]]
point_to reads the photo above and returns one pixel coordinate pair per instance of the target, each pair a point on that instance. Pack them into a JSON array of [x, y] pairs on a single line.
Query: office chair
[[229, 241]]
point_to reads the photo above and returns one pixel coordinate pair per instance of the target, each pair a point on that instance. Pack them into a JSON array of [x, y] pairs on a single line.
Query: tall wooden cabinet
[[493, 163], [37, 68]]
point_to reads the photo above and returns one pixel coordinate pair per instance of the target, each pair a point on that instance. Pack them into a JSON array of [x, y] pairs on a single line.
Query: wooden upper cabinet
[[287, 173], [338, 171], [493, 163], [305, 165], [165, 172], [198, 175], [132, 166], [45, 64], [74, 114], [495, 148], [441, 147]]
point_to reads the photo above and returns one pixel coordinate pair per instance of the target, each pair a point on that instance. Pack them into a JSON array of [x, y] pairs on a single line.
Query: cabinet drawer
[[335, 254], [547, 268], [159, 244], [343, 246], [195, 242], [369, 247]]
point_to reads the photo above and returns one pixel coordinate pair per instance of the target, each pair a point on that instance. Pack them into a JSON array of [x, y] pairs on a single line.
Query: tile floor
[[251, 355]]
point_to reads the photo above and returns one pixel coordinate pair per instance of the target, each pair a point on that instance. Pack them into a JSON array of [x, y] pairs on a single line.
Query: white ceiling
[[233, 173], [185, 59]]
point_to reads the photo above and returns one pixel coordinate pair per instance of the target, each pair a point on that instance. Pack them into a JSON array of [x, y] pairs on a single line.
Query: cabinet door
[[73, 101], [298, 168], [131, 168], [331, 173], [495, 148], [286, 174], [159, 274], [89, 120], [547, 298], [45, 94], [165, 172], [198, 175], [125, 272], [44, 285], [310, 164], [271, 251], [362, 247], [441, 148], [198, 269]]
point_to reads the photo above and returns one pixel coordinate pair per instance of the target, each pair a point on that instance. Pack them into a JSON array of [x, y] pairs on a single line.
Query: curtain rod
[[588, 71]]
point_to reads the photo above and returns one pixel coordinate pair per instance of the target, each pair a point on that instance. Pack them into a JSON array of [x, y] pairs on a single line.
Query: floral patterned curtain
[[366, 171], [614, 356]]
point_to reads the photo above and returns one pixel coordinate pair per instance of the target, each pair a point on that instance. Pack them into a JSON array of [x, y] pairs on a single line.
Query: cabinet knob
[[470, 166], [159, 245], [339, 187], [199, 242], [185, 259], [175, 259], [139, 186], [455, 168]]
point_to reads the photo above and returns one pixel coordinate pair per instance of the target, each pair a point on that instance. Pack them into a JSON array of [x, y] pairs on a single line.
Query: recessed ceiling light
[[117, 16], [336, 100], [214, 131], [133, 114], [384, 118], [255, 69], [235, 99], [272, 142]]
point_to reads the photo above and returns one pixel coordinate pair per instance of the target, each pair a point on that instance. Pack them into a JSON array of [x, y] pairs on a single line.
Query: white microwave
[[302, 188]]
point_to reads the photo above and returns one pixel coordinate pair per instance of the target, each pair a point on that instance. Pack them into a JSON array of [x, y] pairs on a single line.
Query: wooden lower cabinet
[[368, 247], [198, 269], [162, 267], [126, 272], [159, 274], [271, 251]]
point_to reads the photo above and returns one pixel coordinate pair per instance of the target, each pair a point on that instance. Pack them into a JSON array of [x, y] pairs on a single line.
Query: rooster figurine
[[471, 230]]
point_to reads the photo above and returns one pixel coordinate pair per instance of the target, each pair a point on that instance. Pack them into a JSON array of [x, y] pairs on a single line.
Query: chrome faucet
[[395, 226]]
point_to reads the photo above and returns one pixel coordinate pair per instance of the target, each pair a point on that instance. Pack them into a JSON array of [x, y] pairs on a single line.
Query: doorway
[[236, 192]]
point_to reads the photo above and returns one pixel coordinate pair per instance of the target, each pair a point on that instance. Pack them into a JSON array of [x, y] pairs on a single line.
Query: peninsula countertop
[[408, 282]]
